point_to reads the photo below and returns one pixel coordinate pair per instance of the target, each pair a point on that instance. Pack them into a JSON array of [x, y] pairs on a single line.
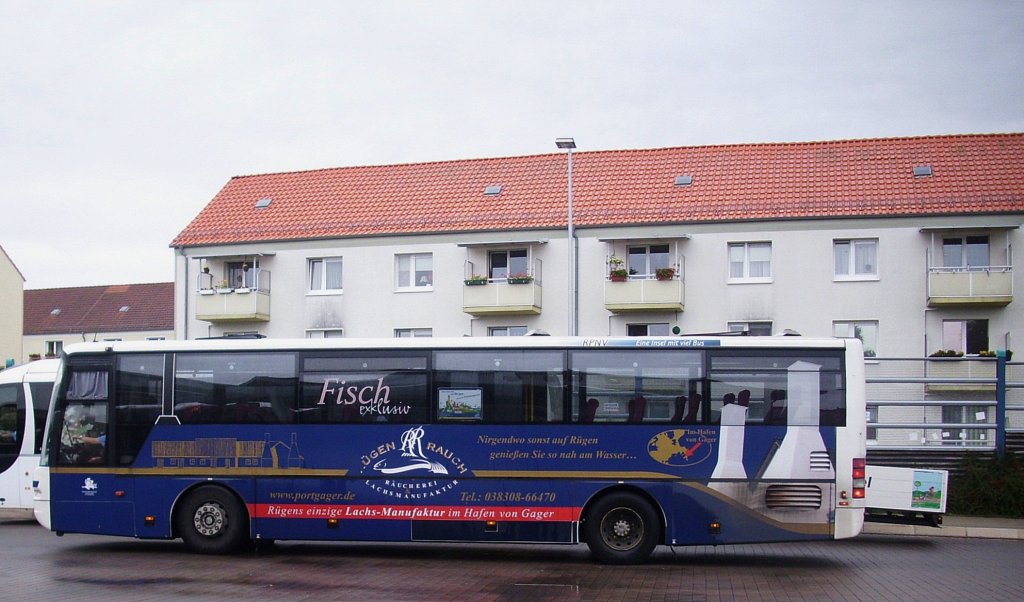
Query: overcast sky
[[119, 121]]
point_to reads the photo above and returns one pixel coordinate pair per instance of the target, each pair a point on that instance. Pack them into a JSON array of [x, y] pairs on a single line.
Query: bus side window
[[500, 386], [41, 406], [12, 423], [83, 434], [140, 381]]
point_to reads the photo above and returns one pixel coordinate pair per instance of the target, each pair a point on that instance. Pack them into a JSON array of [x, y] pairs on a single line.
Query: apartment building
[[56, 317], [906, 243]]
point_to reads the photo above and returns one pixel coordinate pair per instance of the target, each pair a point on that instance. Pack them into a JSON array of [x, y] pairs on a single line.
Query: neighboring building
[[57, 317], [12, 286]]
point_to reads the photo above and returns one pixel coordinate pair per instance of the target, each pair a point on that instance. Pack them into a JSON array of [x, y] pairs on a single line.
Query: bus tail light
[[859, 478]]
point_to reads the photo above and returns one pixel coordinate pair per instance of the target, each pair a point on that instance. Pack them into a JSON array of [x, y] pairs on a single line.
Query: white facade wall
[[12, 310], [36, 344], [803, 294]]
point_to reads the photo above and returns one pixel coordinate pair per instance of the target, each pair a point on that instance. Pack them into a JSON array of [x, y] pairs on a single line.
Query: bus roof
[[38, 370], [535, 342]]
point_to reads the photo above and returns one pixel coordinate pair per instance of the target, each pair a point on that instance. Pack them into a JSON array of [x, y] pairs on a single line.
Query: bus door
[[88, 494]]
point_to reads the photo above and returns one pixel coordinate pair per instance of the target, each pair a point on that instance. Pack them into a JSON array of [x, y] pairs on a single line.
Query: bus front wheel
[[622, 528], [211, 520]]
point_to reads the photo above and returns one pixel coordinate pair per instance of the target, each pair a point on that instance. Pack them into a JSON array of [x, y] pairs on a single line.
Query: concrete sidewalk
[[956, 526]]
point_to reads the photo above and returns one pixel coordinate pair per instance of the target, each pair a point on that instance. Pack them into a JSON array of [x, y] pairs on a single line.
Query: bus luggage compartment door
[[92, 503]]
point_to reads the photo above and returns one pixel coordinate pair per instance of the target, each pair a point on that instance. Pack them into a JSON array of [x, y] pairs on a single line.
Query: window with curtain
[[750, 262], [325, 274], [855, 258]]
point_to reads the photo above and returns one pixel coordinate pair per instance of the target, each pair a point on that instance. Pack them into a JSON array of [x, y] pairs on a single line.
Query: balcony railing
[[644, 294], [234, 304], [502, 296], [991, 285]]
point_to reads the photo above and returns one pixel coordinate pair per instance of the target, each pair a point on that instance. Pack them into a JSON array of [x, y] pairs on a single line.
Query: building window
[[506, 263], [325, 333], [53, 348], [325, 275], [645, 261], [855, 259], [872, 419], [964, 415], [506, 331], [867, 332], [647, 330], [414, 271], [969, 337], [965, 252], [411, 333], [240, 274], [754, 329], [750, 262]]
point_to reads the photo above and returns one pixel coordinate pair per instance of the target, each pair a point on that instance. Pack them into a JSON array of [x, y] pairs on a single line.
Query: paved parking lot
[[38, 565]]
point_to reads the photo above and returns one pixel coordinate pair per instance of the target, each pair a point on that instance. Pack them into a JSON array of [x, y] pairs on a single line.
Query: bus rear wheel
[[211, 520], [622, 528]]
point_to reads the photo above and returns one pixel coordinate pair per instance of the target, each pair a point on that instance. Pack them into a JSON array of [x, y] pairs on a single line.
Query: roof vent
[[684, 180], [55, 311], [124, 309], [492, 190], [263, 203], [922, 171]]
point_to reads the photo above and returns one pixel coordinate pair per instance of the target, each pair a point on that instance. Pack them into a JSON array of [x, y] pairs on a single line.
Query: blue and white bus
[[622, 443], [24, 399]]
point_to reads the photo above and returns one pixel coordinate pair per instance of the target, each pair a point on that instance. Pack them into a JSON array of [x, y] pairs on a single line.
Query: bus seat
[[680, 407], [691, 413], [589, 410], [776, 413], [636, 409], [744, 398]]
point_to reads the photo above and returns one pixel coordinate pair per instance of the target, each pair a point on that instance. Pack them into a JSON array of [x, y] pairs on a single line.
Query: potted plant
[[224, 286], [665, 273], [617, 273], [34, 356], [521, 278], [475, 280]]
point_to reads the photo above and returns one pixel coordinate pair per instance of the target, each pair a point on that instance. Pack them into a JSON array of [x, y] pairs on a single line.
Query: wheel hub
[[210, 519]]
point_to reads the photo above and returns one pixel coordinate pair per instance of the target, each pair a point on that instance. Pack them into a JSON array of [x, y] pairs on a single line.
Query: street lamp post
[[573, 327]]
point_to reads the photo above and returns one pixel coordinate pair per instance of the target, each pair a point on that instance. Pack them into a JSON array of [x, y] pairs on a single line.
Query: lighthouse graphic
[[794, 479]]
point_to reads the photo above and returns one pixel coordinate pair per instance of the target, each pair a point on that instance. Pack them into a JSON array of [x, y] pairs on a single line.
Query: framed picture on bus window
[[460, 404]]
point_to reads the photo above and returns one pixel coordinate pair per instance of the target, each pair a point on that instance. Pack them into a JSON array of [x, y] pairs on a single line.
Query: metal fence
[[944, 403]]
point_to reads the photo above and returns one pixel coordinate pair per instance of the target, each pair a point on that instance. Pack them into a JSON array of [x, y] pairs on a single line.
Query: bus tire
[[622, 528], [211, 520]]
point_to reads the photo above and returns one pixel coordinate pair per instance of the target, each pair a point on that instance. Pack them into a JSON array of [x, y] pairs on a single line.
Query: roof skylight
[[684, 180], [55, 311], [492, 190], [922, 171], [124, 308], [263, 203]]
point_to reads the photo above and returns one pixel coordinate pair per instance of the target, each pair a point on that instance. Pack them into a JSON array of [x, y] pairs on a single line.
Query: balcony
[[242, 304], [502, 297], [975, 286], [644, 295]]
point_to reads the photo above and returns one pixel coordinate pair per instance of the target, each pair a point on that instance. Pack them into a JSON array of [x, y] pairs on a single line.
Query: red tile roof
[[845, 178], [97, 309]]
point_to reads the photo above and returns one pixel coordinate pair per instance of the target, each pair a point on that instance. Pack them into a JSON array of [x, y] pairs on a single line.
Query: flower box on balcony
[[520, 279], [475, 280]]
